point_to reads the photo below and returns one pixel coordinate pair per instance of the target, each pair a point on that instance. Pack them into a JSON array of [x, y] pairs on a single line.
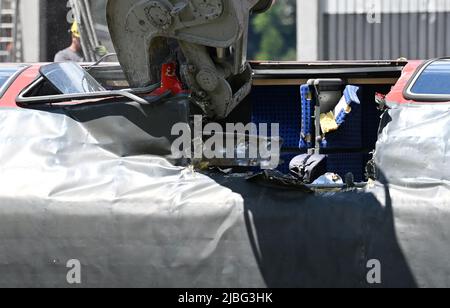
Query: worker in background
[[74, 53]]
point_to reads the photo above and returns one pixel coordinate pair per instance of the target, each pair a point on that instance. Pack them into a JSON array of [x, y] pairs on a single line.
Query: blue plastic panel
[[278, 104], [349, 134], [306, 138], [283, 105], [344, 163]]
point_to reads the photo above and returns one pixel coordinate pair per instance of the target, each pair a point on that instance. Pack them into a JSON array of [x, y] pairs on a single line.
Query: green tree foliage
[[273, 34]]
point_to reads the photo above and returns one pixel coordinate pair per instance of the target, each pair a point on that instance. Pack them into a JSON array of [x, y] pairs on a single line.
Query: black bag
[[308, 167]]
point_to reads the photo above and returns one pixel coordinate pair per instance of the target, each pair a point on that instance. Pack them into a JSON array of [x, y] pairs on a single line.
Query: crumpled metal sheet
[[68, 191], [414, 146]]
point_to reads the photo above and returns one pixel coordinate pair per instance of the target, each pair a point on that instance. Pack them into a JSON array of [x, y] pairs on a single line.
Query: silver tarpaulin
[[98, 186]]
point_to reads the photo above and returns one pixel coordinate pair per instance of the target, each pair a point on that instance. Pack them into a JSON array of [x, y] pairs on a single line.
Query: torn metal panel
[[413, 148]]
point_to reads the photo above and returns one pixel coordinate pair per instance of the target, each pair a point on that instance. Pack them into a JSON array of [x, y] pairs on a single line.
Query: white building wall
[[384, 6], [373, 29], [30, 17], [308, 30]]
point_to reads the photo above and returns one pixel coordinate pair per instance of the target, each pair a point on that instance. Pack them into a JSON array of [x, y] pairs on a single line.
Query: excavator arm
[[208, 39]]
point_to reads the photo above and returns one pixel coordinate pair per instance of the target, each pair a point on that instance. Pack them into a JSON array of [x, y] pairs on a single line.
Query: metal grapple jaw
[[208, 39]]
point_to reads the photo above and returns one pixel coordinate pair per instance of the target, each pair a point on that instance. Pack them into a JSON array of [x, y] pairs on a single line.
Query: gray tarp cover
[[82, 188]]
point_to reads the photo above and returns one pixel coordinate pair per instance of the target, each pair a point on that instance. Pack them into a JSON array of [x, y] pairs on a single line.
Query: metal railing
[[89, 40]]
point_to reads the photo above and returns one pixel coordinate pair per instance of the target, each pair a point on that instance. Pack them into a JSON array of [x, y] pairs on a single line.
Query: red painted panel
[[21, 82], [396, 94]]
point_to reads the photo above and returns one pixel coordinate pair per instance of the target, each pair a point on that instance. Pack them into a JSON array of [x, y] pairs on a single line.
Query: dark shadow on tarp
[[307, 240]]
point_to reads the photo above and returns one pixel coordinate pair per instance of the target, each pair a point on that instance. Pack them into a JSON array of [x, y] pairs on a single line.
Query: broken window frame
[[420, 97]]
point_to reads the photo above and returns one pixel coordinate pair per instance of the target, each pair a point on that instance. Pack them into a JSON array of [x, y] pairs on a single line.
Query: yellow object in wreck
[[328, 122]]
